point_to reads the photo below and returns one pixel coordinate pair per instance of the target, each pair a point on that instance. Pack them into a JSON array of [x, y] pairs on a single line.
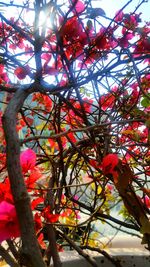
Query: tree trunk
[[30, 248]]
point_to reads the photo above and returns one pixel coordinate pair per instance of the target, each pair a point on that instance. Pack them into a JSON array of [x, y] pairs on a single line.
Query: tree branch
[[6, 256], [78, 249]]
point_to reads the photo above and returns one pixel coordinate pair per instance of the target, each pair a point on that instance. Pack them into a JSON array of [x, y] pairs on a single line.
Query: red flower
[[124, 41], [9, 226], [32, 178], [102, 41], [94, 163], [41, 241], [5, 191], [87, 104], [3, 75], [72, 137], [27, 160], [107, 101], [22, 72], [109, 163], [50, 218], [72, 29]]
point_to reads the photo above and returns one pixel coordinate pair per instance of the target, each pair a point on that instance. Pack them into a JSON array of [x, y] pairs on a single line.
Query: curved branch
[[114, 261], [88, 258], [30, 248]]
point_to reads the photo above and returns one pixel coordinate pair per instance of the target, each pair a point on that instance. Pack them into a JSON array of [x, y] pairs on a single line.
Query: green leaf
[[146, 101], [82, 90]]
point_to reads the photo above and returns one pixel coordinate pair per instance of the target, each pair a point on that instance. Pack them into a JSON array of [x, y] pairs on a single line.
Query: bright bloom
[[28, 160], [109, 163], [79, 7], [72, 29], [9, 226]]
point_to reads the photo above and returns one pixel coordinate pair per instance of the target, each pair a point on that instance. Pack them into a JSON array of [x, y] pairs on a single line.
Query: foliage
[[75, 98]]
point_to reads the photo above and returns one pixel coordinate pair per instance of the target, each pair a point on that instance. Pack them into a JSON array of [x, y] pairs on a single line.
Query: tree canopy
[[74, 127]]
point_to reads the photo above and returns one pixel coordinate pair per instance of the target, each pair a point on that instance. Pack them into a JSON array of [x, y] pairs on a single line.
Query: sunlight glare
[[45, 20]]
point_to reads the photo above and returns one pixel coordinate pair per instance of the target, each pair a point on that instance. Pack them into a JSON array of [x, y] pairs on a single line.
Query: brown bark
[[52, 249], [132, 202], [30, 248]]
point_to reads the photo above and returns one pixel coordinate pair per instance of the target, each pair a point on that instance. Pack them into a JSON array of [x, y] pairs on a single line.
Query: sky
[[111, 6]]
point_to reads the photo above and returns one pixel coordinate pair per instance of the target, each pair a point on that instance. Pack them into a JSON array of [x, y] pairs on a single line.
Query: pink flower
[[9, 226], [124, 41], [50, 70], [79, 6], [119, 16], [27, 160], [46, 56]]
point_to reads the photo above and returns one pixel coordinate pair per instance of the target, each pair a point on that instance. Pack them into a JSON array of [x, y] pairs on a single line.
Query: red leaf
[[52, 218]]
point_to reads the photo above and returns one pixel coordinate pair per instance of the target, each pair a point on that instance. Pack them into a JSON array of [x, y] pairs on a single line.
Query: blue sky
[[111, 6]]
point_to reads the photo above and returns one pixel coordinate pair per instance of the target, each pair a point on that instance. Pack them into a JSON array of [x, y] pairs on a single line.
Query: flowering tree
[[75, 101]]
